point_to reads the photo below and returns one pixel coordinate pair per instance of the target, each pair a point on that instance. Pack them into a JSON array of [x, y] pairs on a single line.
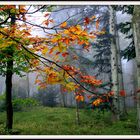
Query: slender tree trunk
[[71, 99], [8, 82], [136, 31], [122, 106], [77, 113], [28, 86], [114, 65], [63, 96]]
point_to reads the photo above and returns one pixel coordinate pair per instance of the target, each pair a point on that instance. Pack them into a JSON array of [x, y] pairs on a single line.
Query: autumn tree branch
[[50, 61]]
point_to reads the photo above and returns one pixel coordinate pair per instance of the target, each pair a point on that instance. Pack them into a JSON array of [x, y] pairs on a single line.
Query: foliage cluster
[[19, 104]]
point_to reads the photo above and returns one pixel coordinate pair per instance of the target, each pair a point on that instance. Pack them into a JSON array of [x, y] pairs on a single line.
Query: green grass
[[61, 121]]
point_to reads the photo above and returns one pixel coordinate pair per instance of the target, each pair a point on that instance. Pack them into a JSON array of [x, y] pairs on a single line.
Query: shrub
[[19, 104], [2, 103]]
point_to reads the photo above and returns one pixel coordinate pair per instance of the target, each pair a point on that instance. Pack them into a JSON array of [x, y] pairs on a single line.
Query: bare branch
[[4, 20], [49, 28], [44, 6]]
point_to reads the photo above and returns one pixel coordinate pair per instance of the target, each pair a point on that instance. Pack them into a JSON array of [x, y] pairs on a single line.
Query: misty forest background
[[53, 111]]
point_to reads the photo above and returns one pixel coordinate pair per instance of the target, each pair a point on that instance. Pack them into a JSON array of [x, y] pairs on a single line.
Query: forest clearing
[[69, 69], [61, 121]]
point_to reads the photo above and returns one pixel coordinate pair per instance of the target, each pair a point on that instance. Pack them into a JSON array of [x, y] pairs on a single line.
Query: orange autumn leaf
[[51, 50], [81, 42], [79, 98], [46, 22], [37, 81], [22, 9], [66, 32], [111, 93], [97, 102], [90, 80], [27, 33], [63, 25], [87, 20], [47, 14], [89, 96], [52, 77], [122, 93], [51, 20], [65, 54], [67, 41]]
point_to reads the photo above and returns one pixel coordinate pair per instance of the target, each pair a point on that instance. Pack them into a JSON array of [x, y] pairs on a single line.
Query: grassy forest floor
[[61, 121]]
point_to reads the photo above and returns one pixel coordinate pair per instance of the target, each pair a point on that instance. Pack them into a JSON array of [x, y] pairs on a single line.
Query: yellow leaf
[[62, 48], [73, 29], [53, 78], [70, 86], [66, 32], [45, 50], [78, 32], [78, 27], [93, 17], [74, 37], [47, 70], [63, 25], [54, 40]]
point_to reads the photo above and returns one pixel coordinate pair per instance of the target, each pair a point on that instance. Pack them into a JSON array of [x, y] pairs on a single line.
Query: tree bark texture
[[9, 108], [8, 82], [28, 85], [136, 32], [114, 65], [122, 106], [63, 95]]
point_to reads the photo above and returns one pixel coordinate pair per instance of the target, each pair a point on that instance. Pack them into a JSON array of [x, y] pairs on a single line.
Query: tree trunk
[[28, 86], [114, 65], [136, 31], [8, 82], [77, 113], [122, 106], [63, 96], [9, 108]]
